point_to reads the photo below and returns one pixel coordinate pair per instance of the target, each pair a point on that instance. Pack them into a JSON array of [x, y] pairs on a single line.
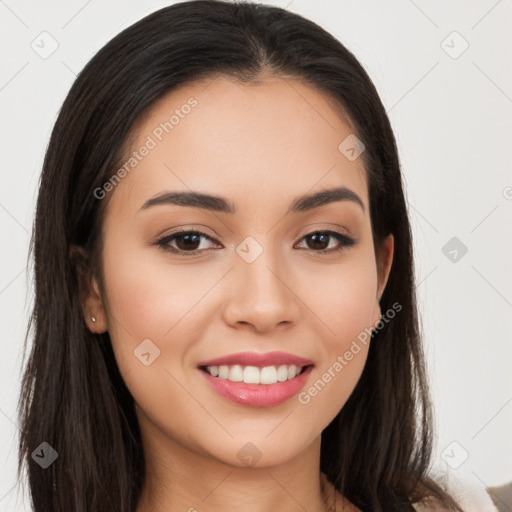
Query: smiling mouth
[[255, 375]]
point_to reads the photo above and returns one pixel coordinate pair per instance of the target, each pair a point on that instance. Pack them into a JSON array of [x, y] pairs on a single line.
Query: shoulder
[[431, 505], [469, 493]]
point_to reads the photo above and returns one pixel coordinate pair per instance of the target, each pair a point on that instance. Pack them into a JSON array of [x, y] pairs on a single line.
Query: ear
[[384, 262], [90, 295]]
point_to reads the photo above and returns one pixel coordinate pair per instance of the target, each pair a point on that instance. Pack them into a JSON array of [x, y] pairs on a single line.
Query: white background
[[453, 121]]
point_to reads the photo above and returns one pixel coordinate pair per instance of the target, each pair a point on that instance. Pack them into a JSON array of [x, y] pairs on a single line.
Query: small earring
[[93, 319]]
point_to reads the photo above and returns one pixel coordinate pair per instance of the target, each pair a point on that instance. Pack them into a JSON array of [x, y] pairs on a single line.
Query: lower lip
[[258, 395]]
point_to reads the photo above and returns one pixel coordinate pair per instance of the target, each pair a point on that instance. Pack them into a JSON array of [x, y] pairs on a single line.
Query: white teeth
[[268, 375], [236, 374], [282, 373], [251, 375], [255, 375]]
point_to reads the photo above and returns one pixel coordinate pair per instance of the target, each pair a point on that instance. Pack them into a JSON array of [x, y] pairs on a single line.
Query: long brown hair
[[377, 450]]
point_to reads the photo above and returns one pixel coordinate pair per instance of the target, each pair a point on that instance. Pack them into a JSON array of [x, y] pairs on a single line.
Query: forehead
[[274, 139]]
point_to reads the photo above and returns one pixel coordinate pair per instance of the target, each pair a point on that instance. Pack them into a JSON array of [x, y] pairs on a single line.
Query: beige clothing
[[469, 493], [470, 496]]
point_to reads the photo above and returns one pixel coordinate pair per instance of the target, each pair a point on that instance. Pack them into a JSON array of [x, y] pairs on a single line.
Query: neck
[[180, 478]]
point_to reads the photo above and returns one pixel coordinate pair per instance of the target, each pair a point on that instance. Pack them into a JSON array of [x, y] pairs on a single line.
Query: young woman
[[225, 313]]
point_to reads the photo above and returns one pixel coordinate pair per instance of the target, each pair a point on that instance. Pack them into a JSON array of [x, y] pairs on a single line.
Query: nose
[[260, 295]]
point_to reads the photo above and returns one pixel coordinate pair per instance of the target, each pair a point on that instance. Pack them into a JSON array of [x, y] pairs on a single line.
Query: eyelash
[[345, 241]]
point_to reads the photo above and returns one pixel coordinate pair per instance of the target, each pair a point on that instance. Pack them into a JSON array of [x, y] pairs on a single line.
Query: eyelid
[[186, 228], [325, 226]]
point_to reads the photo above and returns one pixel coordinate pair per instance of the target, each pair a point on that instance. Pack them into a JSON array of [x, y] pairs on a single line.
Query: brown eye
[[188, 242], [185, 242], [319, 241]]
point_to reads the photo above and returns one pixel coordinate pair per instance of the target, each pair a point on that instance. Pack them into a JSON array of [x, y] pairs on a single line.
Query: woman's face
[[254, 281]]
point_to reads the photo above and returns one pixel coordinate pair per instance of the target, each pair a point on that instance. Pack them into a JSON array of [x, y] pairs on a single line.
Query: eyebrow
[[220, 204]]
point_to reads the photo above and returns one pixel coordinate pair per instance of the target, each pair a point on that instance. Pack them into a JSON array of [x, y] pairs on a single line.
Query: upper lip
[[258, 359]]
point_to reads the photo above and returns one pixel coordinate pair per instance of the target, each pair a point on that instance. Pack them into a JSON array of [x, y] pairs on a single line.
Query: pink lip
[[258, 395], [258, 360]]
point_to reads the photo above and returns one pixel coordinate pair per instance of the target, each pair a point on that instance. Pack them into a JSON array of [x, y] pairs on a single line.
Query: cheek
[[150, 314], [166, 303], [148, 298], [344, 300], [342, 296]]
